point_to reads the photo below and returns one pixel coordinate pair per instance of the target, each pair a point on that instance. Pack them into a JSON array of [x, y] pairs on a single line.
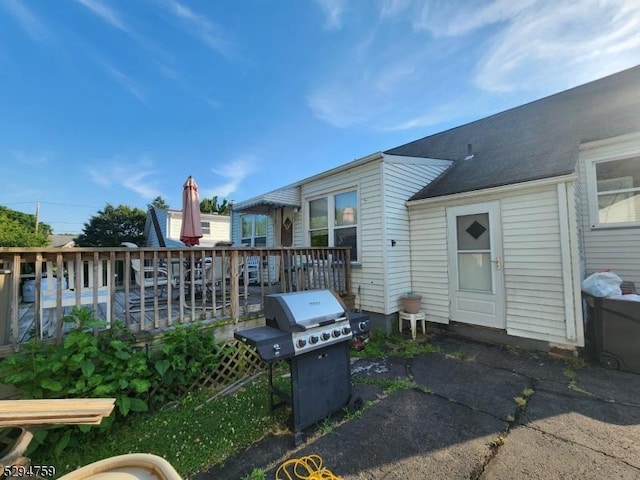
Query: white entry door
[[476, 284]]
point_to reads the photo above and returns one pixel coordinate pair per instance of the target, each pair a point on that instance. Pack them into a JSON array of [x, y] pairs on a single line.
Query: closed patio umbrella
[[191, 230]]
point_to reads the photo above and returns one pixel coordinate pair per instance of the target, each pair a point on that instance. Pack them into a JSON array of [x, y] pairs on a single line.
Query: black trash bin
[[613, 332]]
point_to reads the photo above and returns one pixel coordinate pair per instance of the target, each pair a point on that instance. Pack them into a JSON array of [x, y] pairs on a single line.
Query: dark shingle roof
[[534, 141]]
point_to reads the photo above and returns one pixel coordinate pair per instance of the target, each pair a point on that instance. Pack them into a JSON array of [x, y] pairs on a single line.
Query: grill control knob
[[346, 330], [362, 326], [326, 335], [301, 343], [313, 339], [336, 333]]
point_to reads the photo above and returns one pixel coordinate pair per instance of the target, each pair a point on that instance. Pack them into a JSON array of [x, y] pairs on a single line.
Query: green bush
[[109, 364]]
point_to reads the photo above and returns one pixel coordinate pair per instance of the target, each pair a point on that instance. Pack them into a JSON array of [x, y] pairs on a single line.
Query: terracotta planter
[[411, 303]]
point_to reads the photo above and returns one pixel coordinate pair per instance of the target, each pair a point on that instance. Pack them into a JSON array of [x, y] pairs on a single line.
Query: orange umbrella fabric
[[191, 229]]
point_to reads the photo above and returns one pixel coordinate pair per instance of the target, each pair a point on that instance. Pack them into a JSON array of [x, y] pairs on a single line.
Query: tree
[[210, 205], [159, 204], [112, 226], [18, 229]]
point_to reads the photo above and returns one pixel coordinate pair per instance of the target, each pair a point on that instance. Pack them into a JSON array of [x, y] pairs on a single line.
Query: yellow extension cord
[[312, 466]]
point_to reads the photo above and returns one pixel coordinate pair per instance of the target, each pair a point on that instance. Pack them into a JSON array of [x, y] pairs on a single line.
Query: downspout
[[385, 238], [567, 246]]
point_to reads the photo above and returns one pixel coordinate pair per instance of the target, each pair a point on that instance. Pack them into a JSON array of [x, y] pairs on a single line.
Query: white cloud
[[134, 175], [106, 13], [233, 172], [452, 18], [416, 57], [333, 12], [390, 8], [563, 43], [201, 27], [125, 81], [32, 159], [27, 20]]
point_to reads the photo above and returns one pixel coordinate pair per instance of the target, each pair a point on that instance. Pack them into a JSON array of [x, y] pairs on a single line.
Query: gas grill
[[312, 331]]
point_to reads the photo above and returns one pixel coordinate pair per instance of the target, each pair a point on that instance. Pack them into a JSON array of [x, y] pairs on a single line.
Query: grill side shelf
[[272, 344]]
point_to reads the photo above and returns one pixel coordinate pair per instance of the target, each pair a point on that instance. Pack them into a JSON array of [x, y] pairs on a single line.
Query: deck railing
[[148, 289]]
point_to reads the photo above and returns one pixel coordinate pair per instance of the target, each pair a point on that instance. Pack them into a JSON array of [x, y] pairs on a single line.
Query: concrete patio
[[473, 411]]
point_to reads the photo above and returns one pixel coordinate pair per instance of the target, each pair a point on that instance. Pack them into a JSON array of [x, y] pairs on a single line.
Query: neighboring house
[[162, 228], [494, 222], [63, 241]]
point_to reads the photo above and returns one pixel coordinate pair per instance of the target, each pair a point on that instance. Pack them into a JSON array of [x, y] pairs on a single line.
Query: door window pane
[[473, 232], [474, 272]]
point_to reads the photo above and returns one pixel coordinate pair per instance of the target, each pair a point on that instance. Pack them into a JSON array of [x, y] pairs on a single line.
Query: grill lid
[[300, 311]]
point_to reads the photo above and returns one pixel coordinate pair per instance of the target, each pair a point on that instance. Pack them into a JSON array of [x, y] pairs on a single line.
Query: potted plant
[[411, 302]]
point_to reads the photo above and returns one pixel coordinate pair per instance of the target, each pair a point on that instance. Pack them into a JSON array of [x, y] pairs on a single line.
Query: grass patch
[[520, 401], [388, 386], [192, 436], [256, 474], [459, 355], [381, 345]]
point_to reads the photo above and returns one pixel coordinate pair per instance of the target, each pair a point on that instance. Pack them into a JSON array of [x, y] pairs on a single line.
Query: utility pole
[[37, 215]]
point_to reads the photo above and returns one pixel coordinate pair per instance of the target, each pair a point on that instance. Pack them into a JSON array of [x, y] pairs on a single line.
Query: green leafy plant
[[256, 474], [108, 364], [84, 365]]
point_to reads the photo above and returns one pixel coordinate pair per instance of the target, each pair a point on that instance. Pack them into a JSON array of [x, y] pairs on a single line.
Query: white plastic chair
[[148, 276], [253, 269]]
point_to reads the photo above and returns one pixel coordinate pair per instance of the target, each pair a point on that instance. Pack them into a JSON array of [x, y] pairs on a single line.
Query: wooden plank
[[71, 411]]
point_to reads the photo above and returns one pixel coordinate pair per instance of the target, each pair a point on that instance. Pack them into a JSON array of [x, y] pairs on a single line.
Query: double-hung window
[[254, 230], [206, 228], [333, 221], [615, 192]]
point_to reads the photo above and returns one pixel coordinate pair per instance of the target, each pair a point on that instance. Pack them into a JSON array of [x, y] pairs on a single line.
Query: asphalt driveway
[[472, 411]]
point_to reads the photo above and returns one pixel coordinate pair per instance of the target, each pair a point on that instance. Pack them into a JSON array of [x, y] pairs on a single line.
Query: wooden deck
[[150, 289], [159, 312]]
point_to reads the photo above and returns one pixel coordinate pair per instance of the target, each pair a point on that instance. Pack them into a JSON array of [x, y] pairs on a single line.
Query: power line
[[53, 203]]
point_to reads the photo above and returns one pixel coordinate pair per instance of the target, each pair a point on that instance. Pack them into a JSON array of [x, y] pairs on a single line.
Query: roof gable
[[533, 141]]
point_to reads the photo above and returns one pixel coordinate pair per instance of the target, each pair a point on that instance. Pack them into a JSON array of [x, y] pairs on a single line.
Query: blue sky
[[113, 101]]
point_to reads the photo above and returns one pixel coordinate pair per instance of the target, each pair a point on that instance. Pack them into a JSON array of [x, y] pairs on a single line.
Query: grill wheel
[[355, 403]]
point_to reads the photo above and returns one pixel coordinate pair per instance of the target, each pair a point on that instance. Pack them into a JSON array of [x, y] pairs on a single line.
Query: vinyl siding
[[614, 249], [534, 284], [402, 179], [429, 263], [368, 276], [533, 263], [220, 230]]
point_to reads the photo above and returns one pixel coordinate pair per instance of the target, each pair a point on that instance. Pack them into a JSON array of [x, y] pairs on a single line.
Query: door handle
[[498, 262]]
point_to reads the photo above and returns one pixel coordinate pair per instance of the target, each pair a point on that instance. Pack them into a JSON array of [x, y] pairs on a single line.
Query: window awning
[[289, 197]]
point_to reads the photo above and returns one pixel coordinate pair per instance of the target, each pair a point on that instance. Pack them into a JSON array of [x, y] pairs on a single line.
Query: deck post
[[235, 287]]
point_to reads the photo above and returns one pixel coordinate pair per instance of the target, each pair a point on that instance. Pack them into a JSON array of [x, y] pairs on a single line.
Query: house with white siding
[[162, 228], [495, 222]]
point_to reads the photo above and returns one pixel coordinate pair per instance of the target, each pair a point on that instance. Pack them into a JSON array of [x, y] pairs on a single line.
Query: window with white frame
[[206, 228], [254, 230], [615, 192], [333, 221]]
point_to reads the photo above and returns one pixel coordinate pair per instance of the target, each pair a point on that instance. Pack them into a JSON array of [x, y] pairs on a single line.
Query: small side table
[[414, 318]]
